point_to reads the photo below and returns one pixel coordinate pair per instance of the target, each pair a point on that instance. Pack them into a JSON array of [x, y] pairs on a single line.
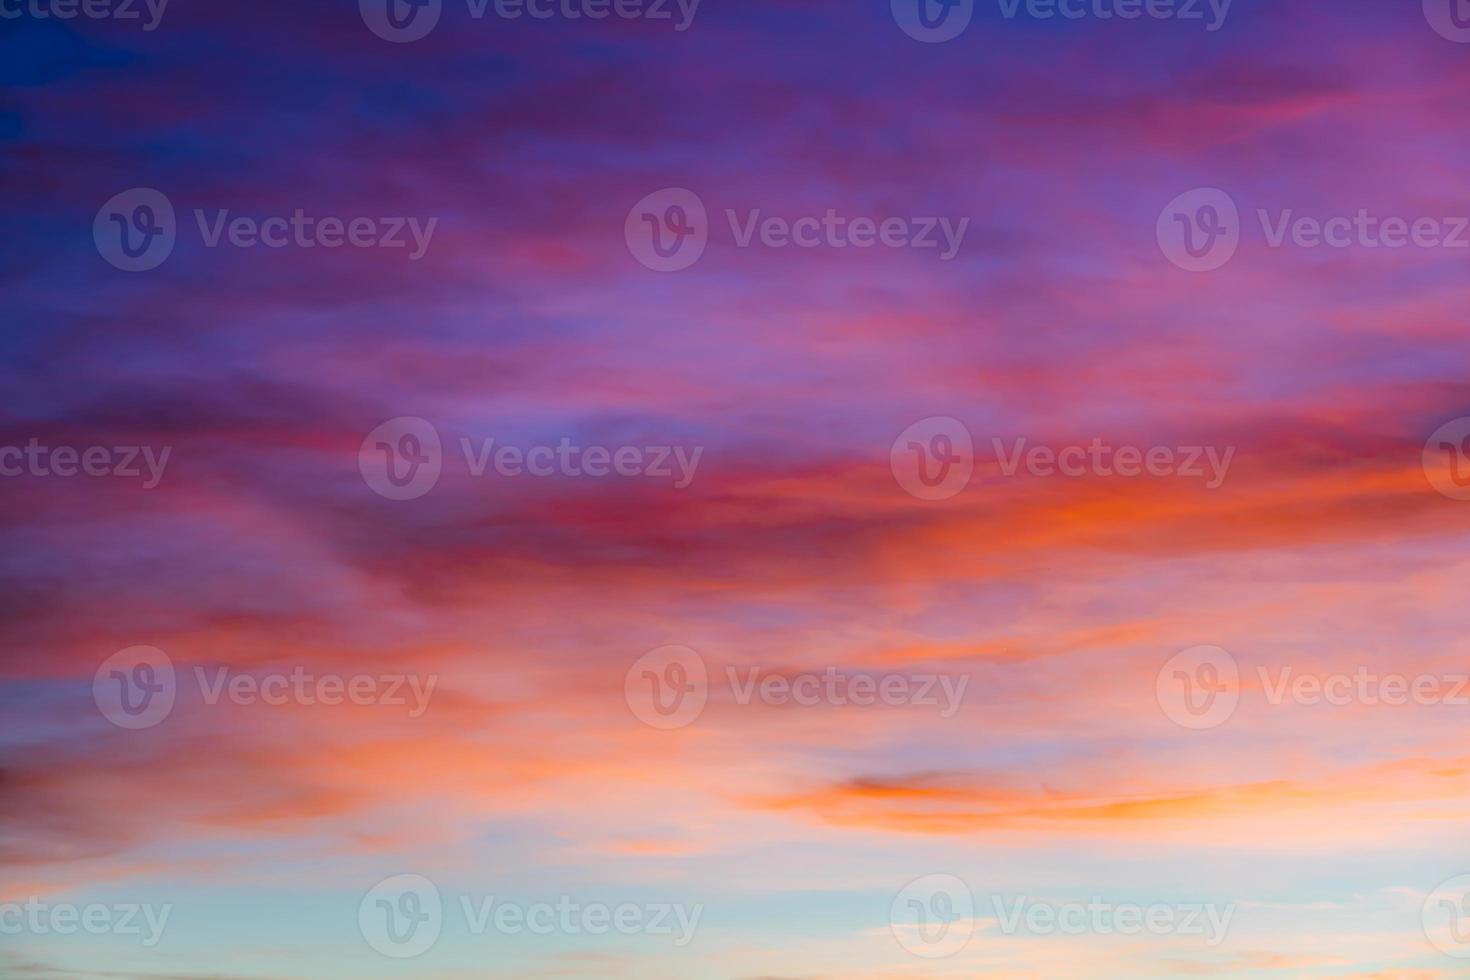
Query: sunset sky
[[784, 388]]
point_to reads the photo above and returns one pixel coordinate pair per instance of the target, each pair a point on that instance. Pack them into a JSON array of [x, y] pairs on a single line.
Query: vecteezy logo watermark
[[401, 21], [34, 459], [136, 231], [1100, 917], [1449, 18], [1447, 459], [402, 917], [37, 918], [934, 458], [669, 687], [933, 21], [1446, 917], [1200, 230], [137, 687], [402, 459], [1199, 687], [1098, 458], [669, 230], [150, 12], [933, 916]]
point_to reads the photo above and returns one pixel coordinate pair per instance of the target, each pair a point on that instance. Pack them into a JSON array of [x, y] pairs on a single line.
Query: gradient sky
[[794, 548]]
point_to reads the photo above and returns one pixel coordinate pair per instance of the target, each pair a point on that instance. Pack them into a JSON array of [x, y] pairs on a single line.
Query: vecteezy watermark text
[[936, 21], [38, 918], [833, 230], [1200, 230], [300, 686], [306, 231], [934, 459], [136, 230], [669, 687], [935, 917], [568, 459], [669, 230], [137, 687], [402, 21], [1099, 458], [1200, 687], [403, 458], [838, 688], [402, 917], [1211, 13], [149, 12], [34, 459], [1101, 917]]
